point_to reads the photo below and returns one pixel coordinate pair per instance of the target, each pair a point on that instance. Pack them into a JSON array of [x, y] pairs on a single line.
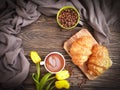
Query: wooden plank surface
[[45, 36]]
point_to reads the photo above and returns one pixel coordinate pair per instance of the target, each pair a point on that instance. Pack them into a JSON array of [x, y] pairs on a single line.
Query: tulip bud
[[35, 57], [62, 84], [62, 75]]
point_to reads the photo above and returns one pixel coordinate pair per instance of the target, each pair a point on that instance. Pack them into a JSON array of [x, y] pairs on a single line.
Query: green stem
[[37, 86], [38, 71], [38, 75]]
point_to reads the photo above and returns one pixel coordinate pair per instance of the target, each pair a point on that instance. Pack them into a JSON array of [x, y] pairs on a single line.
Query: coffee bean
[[68, 17]]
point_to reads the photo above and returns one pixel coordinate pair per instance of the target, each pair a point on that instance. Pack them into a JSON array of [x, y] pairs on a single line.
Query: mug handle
[[42, 62]]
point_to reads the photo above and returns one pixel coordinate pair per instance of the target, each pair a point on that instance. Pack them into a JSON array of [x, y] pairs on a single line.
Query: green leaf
[[44, 80], [49, 85], [51, 78], [52, 88], [34, 78]]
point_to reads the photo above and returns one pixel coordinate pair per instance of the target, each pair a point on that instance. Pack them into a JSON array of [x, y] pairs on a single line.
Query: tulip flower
[[62, 75], [62, 84], [35, 57], [40, 82], [48, 79]]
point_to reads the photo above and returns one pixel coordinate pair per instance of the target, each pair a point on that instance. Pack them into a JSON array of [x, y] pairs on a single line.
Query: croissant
[[99, 61], [80, 50], [93, 59]]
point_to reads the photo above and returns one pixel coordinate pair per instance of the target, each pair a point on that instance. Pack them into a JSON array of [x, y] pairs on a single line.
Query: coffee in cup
[[54, 62]]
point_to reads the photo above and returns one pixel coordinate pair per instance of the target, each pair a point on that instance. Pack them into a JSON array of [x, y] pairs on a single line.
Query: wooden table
[[45, 36]]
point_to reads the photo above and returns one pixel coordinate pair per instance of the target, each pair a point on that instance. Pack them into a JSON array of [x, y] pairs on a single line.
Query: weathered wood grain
[[45, 36]]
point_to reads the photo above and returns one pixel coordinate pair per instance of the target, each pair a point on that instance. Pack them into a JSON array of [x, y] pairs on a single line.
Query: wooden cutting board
[[67, 45]]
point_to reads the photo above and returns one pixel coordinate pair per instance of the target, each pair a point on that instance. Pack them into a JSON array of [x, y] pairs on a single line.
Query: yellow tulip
[[62, 75], [62, 84], [35, 57]]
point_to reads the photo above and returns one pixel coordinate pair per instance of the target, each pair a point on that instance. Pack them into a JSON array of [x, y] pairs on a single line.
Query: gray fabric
[[112, 14], [14, 14], [100, 15]]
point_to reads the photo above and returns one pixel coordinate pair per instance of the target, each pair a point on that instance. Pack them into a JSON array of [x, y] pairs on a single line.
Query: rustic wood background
[[45, 36]]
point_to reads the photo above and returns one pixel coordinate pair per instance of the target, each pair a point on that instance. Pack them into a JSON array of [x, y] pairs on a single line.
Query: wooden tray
[[67, 45]]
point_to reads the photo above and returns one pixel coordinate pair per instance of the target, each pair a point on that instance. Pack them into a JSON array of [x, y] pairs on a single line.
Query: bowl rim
[[63, 8]]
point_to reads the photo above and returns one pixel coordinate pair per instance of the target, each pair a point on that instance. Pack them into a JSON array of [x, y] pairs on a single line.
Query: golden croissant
[[81, 50], [99, 61], [95, 56]]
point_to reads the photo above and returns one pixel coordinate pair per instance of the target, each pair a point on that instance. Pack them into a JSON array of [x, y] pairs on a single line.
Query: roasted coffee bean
[[68, 18]]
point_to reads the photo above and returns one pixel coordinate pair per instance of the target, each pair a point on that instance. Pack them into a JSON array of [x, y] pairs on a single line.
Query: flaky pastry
[[81, 50], [92, 58], [99, 61]]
